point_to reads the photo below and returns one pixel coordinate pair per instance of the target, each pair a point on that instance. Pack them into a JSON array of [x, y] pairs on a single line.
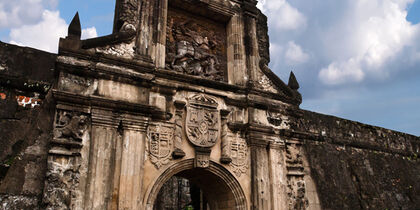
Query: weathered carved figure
[[193, 49], [70, 126]]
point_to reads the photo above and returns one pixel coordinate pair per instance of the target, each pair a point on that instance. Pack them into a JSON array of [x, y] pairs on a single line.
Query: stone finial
[[293, 83], [75, 30]]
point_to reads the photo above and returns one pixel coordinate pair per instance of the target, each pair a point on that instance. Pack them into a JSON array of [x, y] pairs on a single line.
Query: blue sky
[[356, 59]]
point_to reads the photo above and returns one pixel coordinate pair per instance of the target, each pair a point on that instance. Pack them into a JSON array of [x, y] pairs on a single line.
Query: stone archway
[[220, 186]]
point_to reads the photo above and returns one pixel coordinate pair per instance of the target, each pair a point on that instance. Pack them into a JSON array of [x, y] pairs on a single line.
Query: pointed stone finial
[[75, 30], [293, 83]]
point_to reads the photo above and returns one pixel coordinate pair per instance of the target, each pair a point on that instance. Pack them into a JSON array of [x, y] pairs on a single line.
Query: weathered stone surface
[[26, 114], [9, 202], [358, 166], [183, 89], [195, 45]]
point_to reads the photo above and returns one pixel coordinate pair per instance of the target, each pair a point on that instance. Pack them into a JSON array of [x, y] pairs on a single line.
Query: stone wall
[[26, 114], [358, 166]]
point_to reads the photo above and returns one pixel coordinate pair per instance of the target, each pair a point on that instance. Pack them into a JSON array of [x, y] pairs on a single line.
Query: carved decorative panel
[[239, 154], [64, 161], [160, 143], [202, 125], [195, 45]]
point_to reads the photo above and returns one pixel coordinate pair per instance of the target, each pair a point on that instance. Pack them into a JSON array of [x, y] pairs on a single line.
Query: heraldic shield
[[202, 122], [160, 143]]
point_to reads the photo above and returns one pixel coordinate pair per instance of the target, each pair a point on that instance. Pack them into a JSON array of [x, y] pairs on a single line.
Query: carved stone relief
[[295, 176], [77, 84], [69, 129], [62, 180], [296, 192], [264, 83], [294, 156], [125, 50], [64, 161], [160, 143], [195, 45], [239, 154], [225, 157], [202, 123]]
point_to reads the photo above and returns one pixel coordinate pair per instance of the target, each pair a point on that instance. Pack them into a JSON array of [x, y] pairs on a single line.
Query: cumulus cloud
[[43, 35], [88, 33], [294, 54], [379, 33], [342, 73], [287, 17], [41, 32], [15, 13]]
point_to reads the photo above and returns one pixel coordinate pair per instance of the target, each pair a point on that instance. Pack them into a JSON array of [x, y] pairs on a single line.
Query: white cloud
[[89, 33], [285, 16], [294, 54], [377, 33], [44, 35], [15, 13], [342, 73]]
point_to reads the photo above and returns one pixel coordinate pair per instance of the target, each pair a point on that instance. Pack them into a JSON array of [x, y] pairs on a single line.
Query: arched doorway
[[219, 188]]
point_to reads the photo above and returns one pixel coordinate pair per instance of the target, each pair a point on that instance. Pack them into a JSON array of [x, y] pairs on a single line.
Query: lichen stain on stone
[[24, 100]]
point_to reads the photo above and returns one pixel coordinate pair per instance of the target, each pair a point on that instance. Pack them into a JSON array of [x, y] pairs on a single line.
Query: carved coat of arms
[[160, 143], [239, 155], [202, 123]]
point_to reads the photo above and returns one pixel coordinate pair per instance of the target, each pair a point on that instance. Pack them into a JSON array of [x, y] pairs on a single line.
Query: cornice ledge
[[101, 102]]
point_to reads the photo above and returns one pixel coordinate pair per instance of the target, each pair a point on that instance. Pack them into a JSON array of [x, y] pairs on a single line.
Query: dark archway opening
[[195, 189]]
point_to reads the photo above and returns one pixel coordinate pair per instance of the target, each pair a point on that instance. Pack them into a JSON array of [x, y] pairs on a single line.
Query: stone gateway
[[178, 109]]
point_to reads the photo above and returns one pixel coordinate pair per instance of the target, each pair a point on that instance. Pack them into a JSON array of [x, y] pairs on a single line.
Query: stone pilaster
[[235, 51], [251, 44], [132, 161], [151, 36], [278, 176], [102, 159], [260, 176]]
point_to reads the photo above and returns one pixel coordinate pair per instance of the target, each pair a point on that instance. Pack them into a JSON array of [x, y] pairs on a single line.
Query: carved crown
[[203, 100]]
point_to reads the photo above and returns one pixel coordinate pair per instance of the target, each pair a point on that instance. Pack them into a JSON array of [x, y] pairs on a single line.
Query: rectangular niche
[[196, 45]]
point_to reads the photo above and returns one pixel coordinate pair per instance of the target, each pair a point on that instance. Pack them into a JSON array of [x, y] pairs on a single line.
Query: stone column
[[132, 161], [260, 174], [237, 74], [104, 143]]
